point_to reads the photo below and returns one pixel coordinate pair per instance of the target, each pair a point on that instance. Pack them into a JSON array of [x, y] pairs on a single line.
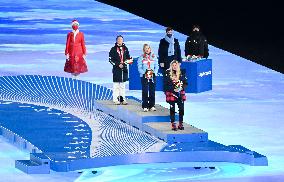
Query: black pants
[[168, 61], [148, 92], [180, 105]]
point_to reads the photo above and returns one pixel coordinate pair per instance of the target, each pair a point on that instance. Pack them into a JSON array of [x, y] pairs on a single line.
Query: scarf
[[147, 59], [75, 32], [120, 52], [171, 41]]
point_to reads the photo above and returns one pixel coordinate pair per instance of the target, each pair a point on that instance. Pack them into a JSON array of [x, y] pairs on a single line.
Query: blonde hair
[[178, 72], [145, 45]]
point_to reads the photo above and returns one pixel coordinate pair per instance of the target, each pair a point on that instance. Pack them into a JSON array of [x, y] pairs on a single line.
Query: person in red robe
[[75, 51]]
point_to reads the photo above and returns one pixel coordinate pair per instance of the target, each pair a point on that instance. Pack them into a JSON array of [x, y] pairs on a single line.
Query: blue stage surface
[[66, 140]]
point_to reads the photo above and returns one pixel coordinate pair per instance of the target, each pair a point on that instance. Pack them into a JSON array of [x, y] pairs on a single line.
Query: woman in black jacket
[[119, 57], [175, 83]]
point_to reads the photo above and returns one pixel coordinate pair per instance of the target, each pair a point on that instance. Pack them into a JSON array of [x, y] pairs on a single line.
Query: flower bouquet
[[149, 74], [193, 57], [178, 85], [129, 61]]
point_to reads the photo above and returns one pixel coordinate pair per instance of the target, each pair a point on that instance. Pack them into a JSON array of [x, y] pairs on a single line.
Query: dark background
[[252, 30]]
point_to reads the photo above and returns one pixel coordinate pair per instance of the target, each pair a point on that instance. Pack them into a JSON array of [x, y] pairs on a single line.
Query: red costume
[[75, 51]]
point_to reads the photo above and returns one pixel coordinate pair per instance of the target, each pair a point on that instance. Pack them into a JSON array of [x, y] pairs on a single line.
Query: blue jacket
[[143, 66]]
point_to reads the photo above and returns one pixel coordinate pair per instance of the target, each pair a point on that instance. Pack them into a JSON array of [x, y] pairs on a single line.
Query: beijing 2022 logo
[[204, 73]]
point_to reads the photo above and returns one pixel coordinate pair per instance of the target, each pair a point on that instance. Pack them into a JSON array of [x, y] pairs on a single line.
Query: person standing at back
[[196, 45], [169, 50]]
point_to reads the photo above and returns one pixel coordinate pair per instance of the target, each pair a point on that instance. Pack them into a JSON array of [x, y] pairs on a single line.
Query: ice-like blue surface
[[50, 130], [246, 105]]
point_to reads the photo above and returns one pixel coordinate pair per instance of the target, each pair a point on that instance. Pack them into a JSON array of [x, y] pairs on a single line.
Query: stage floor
[[246, 105]]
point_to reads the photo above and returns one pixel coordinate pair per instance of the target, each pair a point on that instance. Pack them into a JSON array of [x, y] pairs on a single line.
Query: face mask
[[75, 27], [169, 35]]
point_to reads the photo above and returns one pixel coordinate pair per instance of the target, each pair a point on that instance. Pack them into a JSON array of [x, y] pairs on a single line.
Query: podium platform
[[97, 139], [156, 123], [199, 75], [164, 132], [198, 72]]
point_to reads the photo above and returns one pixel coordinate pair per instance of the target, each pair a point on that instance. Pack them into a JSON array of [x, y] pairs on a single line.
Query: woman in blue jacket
[[148, 68]]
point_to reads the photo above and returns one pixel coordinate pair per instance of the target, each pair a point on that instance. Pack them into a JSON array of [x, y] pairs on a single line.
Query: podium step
[[163, 131], [39, 158], [133, 114], [31, 167], [156, 123]]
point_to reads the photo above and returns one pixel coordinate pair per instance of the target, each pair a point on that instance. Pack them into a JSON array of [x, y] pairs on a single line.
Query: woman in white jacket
[[148, 68]]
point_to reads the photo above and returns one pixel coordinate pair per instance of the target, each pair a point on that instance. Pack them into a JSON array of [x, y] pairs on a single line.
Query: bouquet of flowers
[[192, 57], [149, 74], [195, 57], [129, 61], [178, 85]]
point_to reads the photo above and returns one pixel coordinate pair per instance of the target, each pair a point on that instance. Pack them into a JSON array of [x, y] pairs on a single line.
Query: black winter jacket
[[163, 52], [171, 95], [119, 74], [196, 44]]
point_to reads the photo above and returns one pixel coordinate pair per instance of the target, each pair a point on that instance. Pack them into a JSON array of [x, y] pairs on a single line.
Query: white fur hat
[[74, 22]]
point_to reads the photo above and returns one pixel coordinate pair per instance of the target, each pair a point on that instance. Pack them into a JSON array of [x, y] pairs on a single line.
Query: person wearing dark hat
[[119, 57], [169, 50], [196, 45], [75, 51]]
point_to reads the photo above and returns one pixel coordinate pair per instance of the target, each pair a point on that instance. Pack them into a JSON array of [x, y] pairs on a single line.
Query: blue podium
[[199, 75], [198, 72]]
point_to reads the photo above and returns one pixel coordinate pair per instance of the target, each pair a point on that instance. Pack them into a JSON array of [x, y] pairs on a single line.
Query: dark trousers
[[148, 92], [180, 105], [168, 61]]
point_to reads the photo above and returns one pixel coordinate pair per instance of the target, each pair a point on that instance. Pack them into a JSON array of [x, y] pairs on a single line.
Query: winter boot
[[180, 126]]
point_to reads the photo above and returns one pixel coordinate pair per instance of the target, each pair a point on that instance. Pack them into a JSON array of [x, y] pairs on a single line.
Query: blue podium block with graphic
[[199, 74]]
